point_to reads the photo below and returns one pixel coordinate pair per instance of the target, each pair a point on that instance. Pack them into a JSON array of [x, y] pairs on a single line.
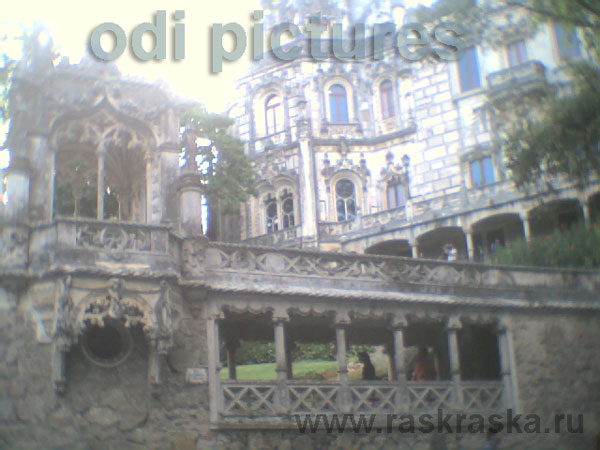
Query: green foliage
[[565, 140], [226, 171], [253, 352], [310, 351], [578, 247]]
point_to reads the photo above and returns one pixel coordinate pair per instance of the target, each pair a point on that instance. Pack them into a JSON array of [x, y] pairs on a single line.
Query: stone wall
[[557, 369]]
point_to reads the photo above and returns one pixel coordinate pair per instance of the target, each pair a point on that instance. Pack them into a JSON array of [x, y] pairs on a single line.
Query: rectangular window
[[516, 52], [395, 195], [567, 42], [468, 70], [482, 171]]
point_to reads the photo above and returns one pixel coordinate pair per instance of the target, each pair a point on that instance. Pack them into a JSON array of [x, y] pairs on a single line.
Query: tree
[[564, 139], [226, 173]]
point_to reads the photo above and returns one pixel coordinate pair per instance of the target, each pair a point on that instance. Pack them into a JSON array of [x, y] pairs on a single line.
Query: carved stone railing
[[266, 142], [527, 76], [243, 267], [102, 245], [268, 399], [395, 216], [373, 398], [313, 398], [283, 238], [249, 399]]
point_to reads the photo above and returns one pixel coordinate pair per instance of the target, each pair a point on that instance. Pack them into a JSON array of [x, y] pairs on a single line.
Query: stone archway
[[555, 215], [431, 244], [495, 231]]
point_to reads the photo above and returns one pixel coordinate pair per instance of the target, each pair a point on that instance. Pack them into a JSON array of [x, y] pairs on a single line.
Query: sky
[[71, 23]]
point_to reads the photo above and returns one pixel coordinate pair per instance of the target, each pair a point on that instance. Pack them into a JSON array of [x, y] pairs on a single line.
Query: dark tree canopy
[[227, 175]]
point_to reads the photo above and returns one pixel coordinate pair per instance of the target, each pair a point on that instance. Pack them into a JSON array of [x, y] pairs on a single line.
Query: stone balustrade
[[272, 400]]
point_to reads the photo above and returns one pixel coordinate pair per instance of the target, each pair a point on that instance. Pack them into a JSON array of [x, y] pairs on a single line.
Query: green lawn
[[302, 369]]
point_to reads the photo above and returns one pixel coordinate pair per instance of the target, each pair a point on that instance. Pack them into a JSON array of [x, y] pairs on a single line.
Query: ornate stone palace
[[396, 157], [120, 321]]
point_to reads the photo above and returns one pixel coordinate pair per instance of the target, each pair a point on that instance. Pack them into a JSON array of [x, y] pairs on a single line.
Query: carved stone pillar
[[398, 325], [452, 326], [17, 191], [189, 190], [279, 320], [526, 228], [470, 245], [414, 247], [280, 353], [507, 365], [341, 323], [101, 188], [214, 365], [232, 345], [585, 208]]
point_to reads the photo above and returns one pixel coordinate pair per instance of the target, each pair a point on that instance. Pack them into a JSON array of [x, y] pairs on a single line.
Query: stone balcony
[[102, 246], [275, 403], [525, 78]]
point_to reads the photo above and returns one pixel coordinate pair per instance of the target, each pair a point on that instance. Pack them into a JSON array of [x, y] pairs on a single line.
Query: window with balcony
[[516, 53], [395, 195], [338, 104], [345, 200], [280, 211], [273, 114], [271, 214], [386, 97], [468, 70], [482, 171], [567, 43], [287, 211]]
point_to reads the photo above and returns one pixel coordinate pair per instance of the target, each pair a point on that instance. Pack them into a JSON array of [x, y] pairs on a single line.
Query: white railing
[[268, 399], [249, 399], [373, 399], [313, 398]]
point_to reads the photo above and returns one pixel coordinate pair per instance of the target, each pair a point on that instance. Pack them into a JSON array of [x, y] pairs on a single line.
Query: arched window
[[386, 95], [395, 195], [345, 200], [273, 114], [338, 104], [287, 211], [271, 214]]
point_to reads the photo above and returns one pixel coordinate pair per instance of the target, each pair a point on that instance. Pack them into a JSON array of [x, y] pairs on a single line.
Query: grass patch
[[266, 371]]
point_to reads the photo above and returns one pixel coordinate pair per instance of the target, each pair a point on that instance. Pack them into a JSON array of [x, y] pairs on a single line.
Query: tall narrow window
[[516, 52], [386, 94], [345, 200], [338, 104], [273, 114], [395, 195], [287, 211], [482, 171], [568, 43], [271, 214], [468, 70]]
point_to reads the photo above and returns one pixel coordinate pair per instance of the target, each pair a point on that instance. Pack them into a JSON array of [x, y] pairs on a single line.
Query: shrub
[[577, 247]]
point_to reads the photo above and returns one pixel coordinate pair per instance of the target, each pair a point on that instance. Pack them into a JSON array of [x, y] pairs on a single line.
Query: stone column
[[585, 208], [341, 323], [100, 185], [232, 346], [279, 320], [189, 190], [470, 245], [399, 324], [452, 326], [17, 191], [306, 188], [508, 365], [414, 247], [214, 363], [526, 228], [154, 369]]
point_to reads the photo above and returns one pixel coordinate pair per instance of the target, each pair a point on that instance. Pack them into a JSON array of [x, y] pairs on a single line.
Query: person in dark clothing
[[368, 371]]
